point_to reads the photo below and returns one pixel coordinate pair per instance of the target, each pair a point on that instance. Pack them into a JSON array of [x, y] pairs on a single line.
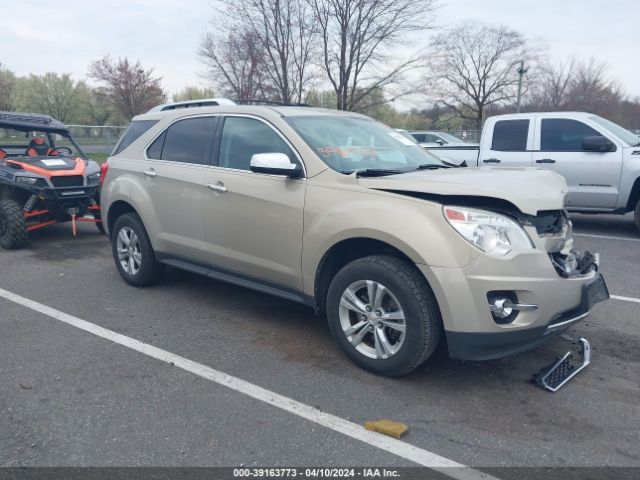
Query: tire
[[142, 267], [13, 227], [636, 215], [405, 293], [99, 225]]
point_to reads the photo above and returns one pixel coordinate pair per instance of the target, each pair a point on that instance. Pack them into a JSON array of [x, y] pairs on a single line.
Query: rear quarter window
[[132, 133]]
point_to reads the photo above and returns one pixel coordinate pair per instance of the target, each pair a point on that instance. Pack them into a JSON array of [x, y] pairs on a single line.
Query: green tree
[[52, 94], [7, 88], [191, 92]]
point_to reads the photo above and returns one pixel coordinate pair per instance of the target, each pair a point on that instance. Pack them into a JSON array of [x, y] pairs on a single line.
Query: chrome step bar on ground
[[563, 370]]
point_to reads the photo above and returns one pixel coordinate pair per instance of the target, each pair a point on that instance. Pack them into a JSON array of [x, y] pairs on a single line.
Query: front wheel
[[132, 252], [636, 215], [383, 314], [13, 227]]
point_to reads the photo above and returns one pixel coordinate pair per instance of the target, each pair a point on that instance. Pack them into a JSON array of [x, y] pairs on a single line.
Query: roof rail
[[202, 102], [251, 101]]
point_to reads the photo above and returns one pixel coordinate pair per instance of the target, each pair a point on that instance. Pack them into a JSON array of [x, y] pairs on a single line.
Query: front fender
[[415, 227]]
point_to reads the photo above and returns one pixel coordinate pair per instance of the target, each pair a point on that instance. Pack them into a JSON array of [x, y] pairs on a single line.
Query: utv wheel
[[99, 225], [13, 228], [384, 315], [133, 253], [636, 215]]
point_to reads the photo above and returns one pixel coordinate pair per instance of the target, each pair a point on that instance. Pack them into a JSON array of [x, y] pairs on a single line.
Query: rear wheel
[[132, 252], [384, 315], [13, 228]]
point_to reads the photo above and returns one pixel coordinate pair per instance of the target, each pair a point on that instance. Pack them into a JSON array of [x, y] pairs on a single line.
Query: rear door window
[[510, 136], [186, 141], [132, 133], [563, 135]]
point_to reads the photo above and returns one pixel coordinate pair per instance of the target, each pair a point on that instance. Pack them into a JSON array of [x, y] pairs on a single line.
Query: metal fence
[[468, 136], [96, 138]]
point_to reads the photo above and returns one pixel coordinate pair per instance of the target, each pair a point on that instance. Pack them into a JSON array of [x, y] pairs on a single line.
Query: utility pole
[[521, 72]]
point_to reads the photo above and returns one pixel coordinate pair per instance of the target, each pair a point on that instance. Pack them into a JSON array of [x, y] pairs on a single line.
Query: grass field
[[99, 157]]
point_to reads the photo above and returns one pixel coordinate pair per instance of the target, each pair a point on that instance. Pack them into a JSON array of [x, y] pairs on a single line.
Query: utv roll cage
[[35, 122]]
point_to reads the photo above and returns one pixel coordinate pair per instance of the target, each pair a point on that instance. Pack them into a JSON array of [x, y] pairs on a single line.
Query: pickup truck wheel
[[383, 314], [13, 228], [132, 252], [636, 215]]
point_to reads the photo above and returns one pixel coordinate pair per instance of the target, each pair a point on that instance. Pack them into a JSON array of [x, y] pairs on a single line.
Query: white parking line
[[625, 299], [337, 424], [606, 237]]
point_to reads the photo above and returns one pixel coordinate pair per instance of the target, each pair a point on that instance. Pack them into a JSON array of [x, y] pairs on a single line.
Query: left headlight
[[491, 232], [93, 178], [29, 180]]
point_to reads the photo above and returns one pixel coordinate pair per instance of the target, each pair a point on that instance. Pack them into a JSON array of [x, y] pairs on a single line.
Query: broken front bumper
[[486, 346], [531, 278]]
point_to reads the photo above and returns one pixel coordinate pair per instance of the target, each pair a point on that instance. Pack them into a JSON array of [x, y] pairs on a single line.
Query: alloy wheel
[[129, 254], [372, 319]]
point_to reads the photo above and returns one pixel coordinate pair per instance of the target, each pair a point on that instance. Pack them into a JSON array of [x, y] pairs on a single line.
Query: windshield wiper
[[378, 172], [431, 166]]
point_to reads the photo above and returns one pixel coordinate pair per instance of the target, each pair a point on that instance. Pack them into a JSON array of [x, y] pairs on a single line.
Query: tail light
[[104, 168]]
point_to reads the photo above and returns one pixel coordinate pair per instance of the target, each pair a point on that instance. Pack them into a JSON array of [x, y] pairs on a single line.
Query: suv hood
[[529, 189]]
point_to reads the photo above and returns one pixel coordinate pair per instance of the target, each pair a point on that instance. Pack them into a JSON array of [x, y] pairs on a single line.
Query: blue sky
[[66, 35]]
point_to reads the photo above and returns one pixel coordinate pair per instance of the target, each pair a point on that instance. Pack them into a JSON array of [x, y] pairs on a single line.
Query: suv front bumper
[[487, 346], [471, 331]]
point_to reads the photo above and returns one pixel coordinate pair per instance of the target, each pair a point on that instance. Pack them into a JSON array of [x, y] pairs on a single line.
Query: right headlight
[[491, 232]]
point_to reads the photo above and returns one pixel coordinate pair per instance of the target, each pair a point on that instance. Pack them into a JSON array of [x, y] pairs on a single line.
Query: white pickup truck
[[599, 159]]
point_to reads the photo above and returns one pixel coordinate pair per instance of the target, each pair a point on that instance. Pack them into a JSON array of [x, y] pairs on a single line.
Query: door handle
[[546, 160], [491, 160], [218, 187], [149, 173]]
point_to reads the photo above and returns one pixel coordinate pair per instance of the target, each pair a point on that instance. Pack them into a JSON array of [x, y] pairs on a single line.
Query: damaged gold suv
[[397, 249]]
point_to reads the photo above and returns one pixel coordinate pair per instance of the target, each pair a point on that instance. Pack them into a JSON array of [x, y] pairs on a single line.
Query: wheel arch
[[343, 252], [634, 195], [116, 210]]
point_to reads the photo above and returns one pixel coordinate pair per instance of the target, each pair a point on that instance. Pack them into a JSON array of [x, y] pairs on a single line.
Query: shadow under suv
[[332, 209]]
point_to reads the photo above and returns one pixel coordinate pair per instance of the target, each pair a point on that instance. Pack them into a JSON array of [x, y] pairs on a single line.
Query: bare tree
[[577, 85], [475, 67], [555, 81], [236, 63], [277, 33], [592, 90], [128, 86], [356, 36]]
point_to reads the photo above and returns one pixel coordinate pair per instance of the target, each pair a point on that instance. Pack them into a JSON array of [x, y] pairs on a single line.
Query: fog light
[[501, 308], [504, 306]]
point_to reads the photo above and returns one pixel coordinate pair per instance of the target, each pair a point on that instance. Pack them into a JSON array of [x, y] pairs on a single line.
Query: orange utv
[[45, 178]]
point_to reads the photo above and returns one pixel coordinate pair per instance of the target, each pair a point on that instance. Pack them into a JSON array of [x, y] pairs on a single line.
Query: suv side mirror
[[597, 143], [440, 141], [275, 164]]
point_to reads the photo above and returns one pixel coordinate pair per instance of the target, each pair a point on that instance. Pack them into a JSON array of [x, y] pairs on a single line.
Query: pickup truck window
[[631, 139], [510, 136], [564, 135]]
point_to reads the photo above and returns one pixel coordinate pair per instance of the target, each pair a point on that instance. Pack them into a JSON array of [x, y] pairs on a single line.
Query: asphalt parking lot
[[71, 398]]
